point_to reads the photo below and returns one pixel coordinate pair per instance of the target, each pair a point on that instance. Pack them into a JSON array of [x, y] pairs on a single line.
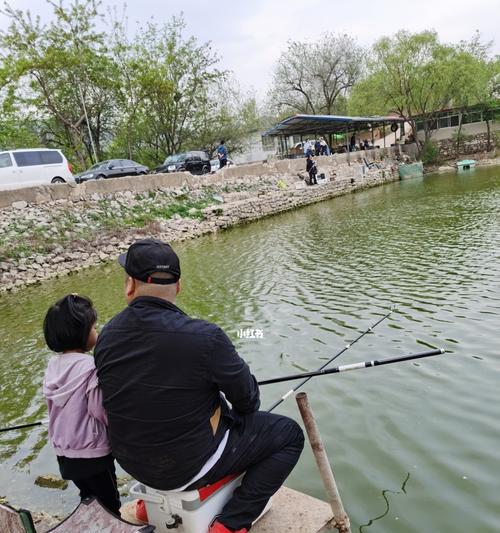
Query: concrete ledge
[[294, 512], [137, 184], [35, 195], [291, 512]]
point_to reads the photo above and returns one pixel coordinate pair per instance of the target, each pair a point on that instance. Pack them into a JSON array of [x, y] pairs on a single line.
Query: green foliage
[[228, 115], [415, 74], [366, 97], [430, 153], [105, 216], [409, 73], [61, 70], [495, 139], [165, 78], [68, 85], [15, 133], [174, 98]]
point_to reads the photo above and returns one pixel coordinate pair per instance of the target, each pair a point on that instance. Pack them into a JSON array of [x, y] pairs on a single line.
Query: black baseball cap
[[148, 256]]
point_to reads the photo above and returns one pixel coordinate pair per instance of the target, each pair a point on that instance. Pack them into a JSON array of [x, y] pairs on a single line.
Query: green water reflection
[[311, 279]]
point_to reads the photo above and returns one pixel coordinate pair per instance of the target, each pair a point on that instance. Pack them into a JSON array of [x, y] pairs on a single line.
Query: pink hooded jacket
[[77, 420]]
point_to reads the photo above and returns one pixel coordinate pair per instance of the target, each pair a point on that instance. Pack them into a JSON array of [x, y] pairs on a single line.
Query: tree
[[227, 114], [409, 74], [313, 78], [479, 84], [16, 126], [165, 79], [66, 84], [489, 97], [63, 74], [475, 81]]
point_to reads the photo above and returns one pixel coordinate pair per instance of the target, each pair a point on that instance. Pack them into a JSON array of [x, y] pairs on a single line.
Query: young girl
[[77, 420]]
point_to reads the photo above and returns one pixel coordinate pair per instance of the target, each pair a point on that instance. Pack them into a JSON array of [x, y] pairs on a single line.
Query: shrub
[[495, 139], [462, 137], [430, 153]]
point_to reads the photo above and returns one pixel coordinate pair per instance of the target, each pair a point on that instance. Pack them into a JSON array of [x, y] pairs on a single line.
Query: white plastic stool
[[190, 511]]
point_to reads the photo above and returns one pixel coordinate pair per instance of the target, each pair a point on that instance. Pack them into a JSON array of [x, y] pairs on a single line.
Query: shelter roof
[[314, 124]]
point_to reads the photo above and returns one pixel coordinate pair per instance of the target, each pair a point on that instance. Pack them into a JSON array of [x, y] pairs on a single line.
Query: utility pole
[[87, 121]]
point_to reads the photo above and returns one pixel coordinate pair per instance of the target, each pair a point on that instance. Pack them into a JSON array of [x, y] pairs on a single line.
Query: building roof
[[324, 124]]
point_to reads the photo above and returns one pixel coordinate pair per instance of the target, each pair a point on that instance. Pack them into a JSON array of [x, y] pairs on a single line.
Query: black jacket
[[161, 373], [311, 166]]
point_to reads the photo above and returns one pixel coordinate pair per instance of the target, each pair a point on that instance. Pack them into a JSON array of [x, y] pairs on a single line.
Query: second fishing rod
[[330, 361], [354, 366]]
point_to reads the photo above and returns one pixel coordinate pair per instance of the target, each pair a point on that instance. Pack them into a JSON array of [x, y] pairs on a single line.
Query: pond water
[[414, 446]]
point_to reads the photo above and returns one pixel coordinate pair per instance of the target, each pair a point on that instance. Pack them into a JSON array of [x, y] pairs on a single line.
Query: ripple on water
[[313, 279]]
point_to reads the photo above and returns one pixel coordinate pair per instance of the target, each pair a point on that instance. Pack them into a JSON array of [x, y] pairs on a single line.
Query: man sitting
[[166, 380]]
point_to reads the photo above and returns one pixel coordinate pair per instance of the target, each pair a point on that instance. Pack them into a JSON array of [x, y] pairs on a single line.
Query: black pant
[[102, 486], [267, 447], [222, 163], [312, 178]]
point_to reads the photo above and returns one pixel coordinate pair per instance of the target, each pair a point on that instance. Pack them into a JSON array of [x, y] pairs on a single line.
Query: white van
[[33, 166]]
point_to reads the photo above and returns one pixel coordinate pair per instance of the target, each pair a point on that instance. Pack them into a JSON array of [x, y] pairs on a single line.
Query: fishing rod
[[22, 426], [354, 366], [338, 354], [283, 398]]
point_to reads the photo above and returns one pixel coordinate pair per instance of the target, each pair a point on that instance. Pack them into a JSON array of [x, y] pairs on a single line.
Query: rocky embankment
[[52, 238]]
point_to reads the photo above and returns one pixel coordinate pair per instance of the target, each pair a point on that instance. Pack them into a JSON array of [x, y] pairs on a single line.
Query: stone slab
[[294, 512], [291, 512], [44, 522]]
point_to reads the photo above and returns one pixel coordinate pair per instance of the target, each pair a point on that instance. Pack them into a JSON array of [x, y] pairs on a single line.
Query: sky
[[249, 36]]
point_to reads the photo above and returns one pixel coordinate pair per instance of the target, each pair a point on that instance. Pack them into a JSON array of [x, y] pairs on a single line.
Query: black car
[[196, 162], [113, 168]]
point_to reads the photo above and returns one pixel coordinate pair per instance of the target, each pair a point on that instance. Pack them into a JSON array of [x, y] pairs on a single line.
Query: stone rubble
[[476, 145], [42, 240]]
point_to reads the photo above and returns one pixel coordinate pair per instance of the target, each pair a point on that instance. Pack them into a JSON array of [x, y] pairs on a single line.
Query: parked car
[[33, 166], [196, 162], [113, 168], [215, 164]]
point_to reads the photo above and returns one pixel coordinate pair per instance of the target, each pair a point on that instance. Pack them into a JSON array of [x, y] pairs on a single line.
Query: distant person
[[324, 150], [308, 148], [312, 170], [77, 420], [317, 147], [366, 145], [352, 143], [222, 155]]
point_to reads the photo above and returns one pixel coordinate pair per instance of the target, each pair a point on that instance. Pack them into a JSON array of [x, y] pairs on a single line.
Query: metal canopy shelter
[[325, 124]]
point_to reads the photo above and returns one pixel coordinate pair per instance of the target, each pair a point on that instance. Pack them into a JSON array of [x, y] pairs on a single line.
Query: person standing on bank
[[312, 169], [222, 155], [323, 146], [317, 147], [77, 420], [167, 379], [352, 143]]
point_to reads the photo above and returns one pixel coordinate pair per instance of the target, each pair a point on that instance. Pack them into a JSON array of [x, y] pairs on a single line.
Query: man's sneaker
[[217, 527]]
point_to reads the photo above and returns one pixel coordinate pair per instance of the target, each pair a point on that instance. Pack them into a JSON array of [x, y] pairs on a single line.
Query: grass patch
[[72, 226]]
